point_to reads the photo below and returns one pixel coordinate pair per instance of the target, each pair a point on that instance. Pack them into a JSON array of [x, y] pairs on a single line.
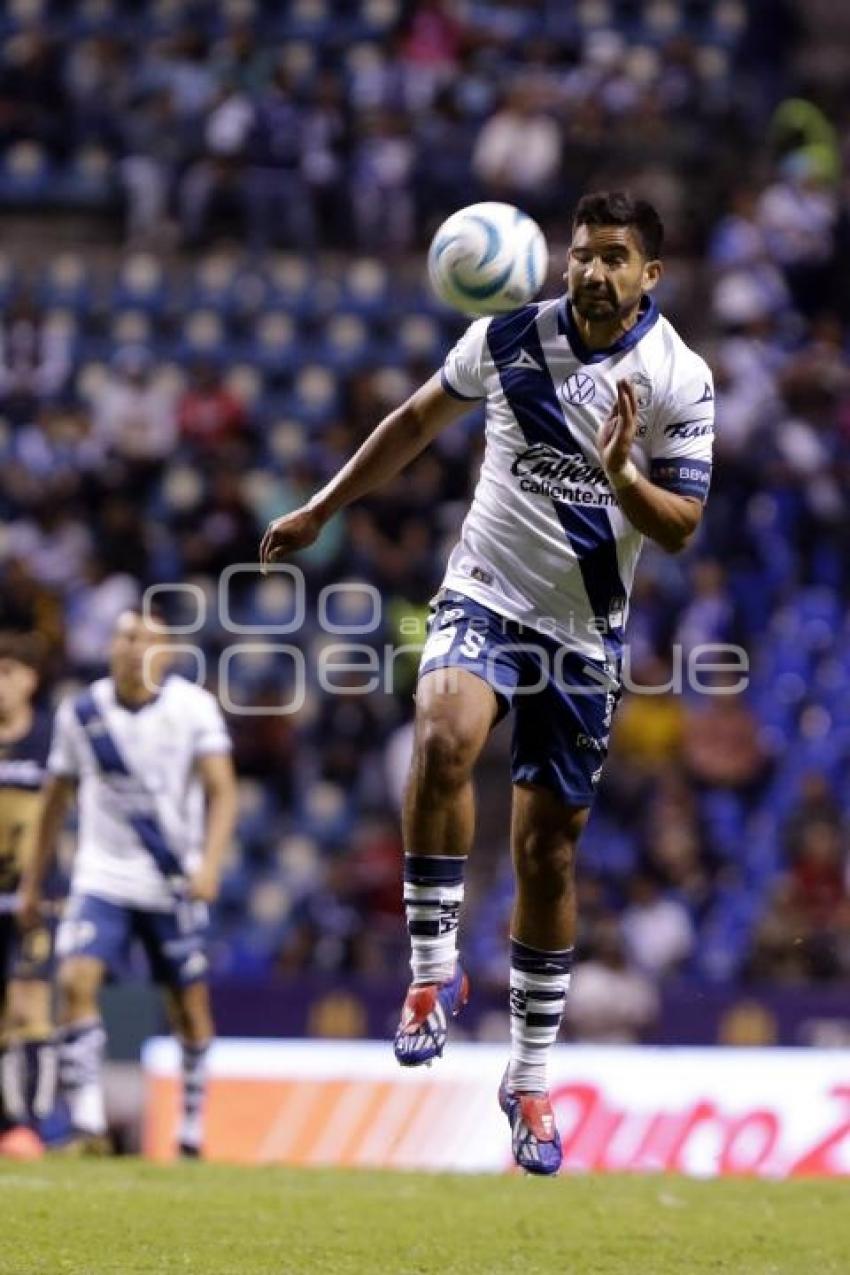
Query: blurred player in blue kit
[[147, 754], [27, 1057], [599, 426]]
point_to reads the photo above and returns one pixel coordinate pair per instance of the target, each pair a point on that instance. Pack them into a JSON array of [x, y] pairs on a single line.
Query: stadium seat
[[662, 19], [247, 383], [131, 327], [141, 283], [375, 18], [88, 181], [66, 282], [366, 288], [25, 173], [8, 278], [203, 333], [275, 347], [213, 284], [419, 339], [63, 324], [287, 442], [291, 284], [594, 14], [315, 395], [323, 813], [345, 343]]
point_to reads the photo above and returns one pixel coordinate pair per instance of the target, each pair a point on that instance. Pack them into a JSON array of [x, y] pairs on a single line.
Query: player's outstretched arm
[[219, 784], [56, 796], [666, 517], [391, 446]]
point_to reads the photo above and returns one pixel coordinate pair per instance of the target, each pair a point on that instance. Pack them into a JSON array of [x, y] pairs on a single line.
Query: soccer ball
[[487, 259]]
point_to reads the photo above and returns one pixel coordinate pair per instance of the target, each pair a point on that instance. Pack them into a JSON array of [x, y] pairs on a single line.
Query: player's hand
[[619, 429], [290, 532], [29, 909], [203, 885]]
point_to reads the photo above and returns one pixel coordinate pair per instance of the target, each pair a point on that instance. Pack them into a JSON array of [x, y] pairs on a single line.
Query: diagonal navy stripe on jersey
[[534, 402], [111, 762]]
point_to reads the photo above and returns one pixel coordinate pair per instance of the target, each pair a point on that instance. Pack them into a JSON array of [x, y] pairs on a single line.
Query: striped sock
[[81, 1049], [433, 894], [38, 1066], [539, 983], [194, 1068], [13, 1104]]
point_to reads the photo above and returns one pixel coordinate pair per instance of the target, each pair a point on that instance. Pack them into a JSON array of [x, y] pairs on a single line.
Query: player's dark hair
[[24, 648], [619, 208]]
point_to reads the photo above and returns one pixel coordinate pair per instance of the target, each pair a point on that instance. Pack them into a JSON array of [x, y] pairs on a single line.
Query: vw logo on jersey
[[578, 388]]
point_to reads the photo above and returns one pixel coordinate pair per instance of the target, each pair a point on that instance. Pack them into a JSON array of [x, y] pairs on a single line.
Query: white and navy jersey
[[545, 542], [141, 803]]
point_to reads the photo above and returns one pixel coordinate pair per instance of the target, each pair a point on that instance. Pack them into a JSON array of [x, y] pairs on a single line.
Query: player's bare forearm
[[665, 517], [219, 782], [56, 796], [392, 445]]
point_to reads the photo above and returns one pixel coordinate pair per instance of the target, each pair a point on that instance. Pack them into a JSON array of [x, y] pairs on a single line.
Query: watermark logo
[[342, 643]]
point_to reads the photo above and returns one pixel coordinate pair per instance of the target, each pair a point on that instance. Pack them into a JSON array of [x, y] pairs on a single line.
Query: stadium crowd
[[274, 172]]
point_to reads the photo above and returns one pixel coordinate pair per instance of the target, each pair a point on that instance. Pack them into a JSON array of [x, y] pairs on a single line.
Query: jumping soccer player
[[147, 751], [27, 1057], [599, 423]]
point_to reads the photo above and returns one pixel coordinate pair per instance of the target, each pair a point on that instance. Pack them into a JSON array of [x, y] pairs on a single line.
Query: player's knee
[[191, 1016], [28, 1009], [78, 988], [444, 753], [545, 863]]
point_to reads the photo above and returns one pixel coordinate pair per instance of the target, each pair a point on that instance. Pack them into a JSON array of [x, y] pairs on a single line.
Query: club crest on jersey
[[578, 388], [642, 387]]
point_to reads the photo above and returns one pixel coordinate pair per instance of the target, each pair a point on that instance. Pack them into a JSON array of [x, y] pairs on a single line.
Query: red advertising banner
[[767, 1112]]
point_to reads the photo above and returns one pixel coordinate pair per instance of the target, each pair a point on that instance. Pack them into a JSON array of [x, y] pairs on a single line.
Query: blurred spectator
[[221, 173], [722, 746], [610, 1002], [208, 413], [33, 100], [382, 166], [35, 359], [658, 933], [797, 214], [93, 609], [134, 414], [277, 193], [517, 155], [153, 151]]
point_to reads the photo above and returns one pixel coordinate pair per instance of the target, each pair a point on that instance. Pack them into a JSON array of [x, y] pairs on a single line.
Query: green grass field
[[122, 1217]]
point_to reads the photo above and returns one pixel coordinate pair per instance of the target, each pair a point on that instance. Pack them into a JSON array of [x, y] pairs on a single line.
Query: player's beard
[[604, 306], [596, 305]]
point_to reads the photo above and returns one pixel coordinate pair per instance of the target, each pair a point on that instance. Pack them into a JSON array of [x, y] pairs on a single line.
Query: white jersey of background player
[[161, 746], [147, 757], [542, 494]]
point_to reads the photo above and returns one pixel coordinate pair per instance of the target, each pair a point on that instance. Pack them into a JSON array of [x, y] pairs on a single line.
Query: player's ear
[[652, 272]]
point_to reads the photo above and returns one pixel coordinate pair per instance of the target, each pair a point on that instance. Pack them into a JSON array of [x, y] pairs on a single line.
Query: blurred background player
[[149, 754], [532, 610], [27, 1057]]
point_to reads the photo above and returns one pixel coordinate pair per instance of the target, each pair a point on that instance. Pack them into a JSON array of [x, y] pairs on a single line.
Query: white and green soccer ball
[[487, 259]]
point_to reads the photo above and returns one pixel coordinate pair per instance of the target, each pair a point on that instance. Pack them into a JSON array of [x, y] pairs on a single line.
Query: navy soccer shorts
[[174, 941], [562, 702]]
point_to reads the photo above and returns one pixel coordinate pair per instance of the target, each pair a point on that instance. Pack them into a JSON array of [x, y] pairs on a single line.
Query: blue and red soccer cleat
[[535, 1139], [421, 1035]]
